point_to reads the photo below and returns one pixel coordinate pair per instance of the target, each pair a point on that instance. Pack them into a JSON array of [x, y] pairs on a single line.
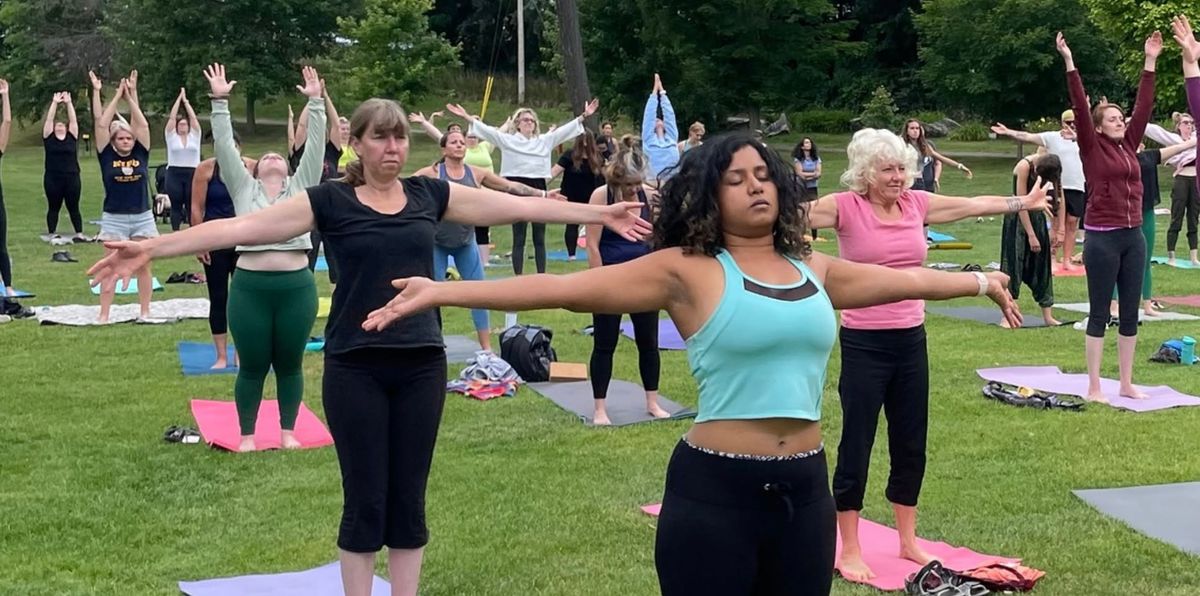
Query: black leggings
[[539, 234], [1185, 200], [217, 275], [179, 188], [606, 331], [888, 369], [5, 262], [1114, 258], [315, 238], [739, 527], [60, 189], [571, 231], [383, 406]]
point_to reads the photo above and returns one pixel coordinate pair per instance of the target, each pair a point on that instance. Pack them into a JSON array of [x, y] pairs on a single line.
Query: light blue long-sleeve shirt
[[662, 152]]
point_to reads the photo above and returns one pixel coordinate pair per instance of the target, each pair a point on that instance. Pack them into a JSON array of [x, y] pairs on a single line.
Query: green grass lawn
[[523, 499]]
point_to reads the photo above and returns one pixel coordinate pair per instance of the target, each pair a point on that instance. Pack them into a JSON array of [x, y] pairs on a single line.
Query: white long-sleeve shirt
[[1167, 138], [180, 155], [527, 157]]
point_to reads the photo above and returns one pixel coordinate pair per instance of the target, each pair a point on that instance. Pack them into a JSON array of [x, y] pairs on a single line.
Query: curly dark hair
[[690, 214]]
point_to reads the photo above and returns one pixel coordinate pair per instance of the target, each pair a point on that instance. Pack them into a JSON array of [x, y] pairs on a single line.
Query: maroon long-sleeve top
[[1114, 180], [1192, 85]]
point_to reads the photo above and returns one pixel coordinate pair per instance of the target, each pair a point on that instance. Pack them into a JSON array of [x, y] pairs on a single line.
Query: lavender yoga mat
[[325, 580], [668, 335], [1053, 380]]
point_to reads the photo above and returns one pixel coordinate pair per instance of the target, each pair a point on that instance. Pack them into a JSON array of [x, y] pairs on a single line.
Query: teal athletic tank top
[[764, 351]]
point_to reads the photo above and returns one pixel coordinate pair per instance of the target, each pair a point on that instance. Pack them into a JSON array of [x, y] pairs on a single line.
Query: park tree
[[486, 32], [1125, 25], [263, 43], [390, 51], [49, 46], [995, 58], [884, 53], [716, 57]]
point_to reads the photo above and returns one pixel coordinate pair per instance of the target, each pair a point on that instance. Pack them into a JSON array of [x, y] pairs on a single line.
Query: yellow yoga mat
[[323, 305], [951, 246]]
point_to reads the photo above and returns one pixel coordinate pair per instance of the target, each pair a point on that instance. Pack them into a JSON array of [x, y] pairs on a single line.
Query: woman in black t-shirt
[[124, 153], [582, 171], [382, 391], [61, 179], [10, 306]]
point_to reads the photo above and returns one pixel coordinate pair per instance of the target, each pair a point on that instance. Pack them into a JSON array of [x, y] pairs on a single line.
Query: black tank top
[[614, 248], [218, 204]]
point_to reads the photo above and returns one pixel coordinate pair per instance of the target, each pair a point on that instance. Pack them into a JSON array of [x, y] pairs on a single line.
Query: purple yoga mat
[[668, 335], [325, 580], [1053, 380]]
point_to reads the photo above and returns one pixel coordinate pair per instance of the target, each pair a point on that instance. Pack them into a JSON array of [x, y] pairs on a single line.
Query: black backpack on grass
[[527, 349]]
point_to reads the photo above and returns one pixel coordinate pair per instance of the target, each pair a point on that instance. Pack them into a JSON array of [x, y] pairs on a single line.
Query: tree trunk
[[250, 119], [755, 119], [572, 55]]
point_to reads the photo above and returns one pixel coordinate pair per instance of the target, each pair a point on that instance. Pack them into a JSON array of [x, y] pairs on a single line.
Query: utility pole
[[521, 52]]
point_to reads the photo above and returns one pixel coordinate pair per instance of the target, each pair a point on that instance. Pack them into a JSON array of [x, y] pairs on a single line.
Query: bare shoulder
[[819, 263], [426, 172]]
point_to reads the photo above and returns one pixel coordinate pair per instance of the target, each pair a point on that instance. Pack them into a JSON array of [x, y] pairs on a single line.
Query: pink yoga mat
[[1053, 380], [880, 545], [218, 421], [1074, 271], [1193, 301]]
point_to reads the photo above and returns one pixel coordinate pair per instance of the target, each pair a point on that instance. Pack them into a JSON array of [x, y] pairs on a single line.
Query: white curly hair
[[872, 148]]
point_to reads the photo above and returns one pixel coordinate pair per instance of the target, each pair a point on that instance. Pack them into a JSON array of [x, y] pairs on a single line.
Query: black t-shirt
[[1149, 160], [61, 156], [329, 167], [578, 183], [126, 179], [373, 249]]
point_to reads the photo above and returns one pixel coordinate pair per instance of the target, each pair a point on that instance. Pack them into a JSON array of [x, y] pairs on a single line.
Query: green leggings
[[1148, 233], [270, 316]]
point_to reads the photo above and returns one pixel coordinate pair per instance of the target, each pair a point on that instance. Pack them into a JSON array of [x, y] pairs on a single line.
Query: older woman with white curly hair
[[880, 220]]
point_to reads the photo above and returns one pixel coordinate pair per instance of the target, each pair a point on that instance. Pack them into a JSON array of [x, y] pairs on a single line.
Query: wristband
[[983, 283]]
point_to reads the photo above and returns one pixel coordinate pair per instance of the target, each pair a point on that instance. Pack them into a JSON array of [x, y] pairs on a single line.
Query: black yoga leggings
[[739, 527], [571, 231], [5, 262], [1185, 201], [179, 188], [60, 189], [316, 239], [217, 275], [383, 406], [1115, 258], [539, 234], [606, 331], [888, 369]]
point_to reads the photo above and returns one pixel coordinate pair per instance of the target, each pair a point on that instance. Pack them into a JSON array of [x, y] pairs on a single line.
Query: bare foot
[[145, 315], [1195, 263], [1133, 393], [916, 555], [288, 440], [103, 320], [853, 568], [1151, 312], [246, 445], [1052, 322], [655, 410], [601, 419], [220, 363], [10, 292], [1171, 261], [1096, 396]]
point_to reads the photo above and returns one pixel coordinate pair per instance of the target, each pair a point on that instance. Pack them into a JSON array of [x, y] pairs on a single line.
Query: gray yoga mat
[[626, 401], [983, 314], [1166, 512], [460, 348]]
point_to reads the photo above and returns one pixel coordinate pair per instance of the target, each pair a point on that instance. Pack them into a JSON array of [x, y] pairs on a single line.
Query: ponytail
[[354, 174]]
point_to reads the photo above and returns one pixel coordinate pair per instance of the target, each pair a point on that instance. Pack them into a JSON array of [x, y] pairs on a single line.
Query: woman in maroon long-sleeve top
[[1182, 28], [1115, 252]]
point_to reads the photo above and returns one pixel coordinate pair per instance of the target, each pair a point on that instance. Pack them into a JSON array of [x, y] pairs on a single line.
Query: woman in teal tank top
[[747, 507]]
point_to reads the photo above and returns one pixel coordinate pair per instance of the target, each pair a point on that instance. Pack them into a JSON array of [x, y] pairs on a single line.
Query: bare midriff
[[273, 260], [768, 436]]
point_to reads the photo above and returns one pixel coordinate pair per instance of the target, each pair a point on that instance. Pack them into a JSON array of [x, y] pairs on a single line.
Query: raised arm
[[488, 133], [279, 222], [335, 130], [427, 126], [1176, 149], [859, 285], [496, 182], [1022, 136], [1143, 106], [5, 116], [1161, 135], [193, 121], [482, 207], [944, 209], [72, 119], [1085, 132], [101, 118], [648, 119], [291, 128], [233, 173], [308, 173], [170, 125], [137, 120], [672, 127], [1181, 27], [645, 284], [48, 125], [301, 130]]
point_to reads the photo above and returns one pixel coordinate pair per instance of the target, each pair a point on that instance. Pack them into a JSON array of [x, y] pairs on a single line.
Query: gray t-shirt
[[1068, 153]]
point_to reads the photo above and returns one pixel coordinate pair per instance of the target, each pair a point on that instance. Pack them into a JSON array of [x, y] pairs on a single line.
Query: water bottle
[[1188, 355]]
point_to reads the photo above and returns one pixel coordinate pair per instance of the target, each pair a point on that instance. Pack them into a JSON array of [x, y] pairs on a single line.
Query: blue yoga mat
[[554, 255], [197, 359], [1180, 263], [322, 264], [20, 293], [132, 289], [940, 237]]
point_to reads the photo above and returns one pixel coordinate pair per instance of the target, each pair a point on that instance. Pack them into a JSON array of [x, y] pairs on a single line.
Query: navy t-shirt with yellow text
[[126, 179]]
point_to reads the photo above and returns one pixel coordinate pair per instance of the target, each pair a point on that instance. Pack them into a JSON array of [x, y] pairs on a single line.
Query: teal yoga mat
[[132, 289]]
